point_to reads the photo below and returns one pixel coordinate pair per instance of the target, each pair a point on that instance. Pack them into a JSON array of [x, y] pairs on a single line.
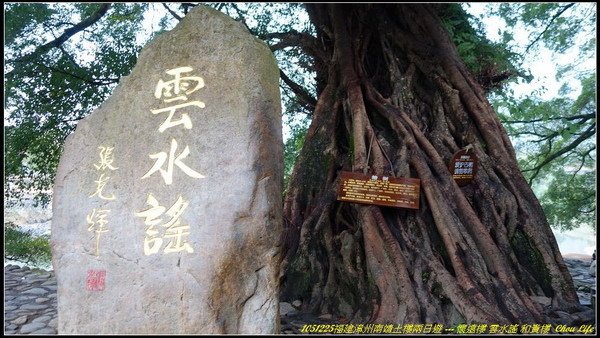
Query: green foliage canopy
[[49, 86], [554, 137]]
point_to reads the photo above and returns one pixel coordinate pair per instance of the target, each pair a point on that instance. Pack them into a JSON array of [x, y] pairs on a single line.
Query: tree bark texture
[[394, 98]]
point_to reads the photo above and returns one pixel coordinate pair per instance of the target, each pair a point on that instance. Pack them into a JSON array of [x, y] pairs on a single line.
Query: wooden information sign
[[379, 190], [463, 166]]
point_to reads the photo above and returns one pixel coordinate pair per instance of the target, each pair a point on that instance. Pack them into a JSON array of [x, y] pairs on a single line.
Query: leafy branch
[[585, 117], [175, 15], [66, 35], [304, 96], [584, 136], [550, 23]]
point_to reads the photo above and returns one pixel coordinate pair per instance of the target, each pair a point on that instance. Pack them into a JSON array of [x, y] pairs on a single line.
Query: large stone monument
[[167, 200]]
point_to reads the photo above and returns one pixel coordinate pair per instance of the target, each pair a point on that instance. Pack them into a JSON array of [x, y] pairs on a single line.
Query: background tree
[[61, 61], [389, 82], [555, 136]]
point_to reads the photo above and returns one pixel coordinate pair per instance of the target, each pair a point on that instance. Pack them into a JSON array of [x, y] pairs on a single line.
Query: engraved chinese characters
[[174, 230], [167, 201], [169, 91], [97, 218], [167, 174], [178, 87]]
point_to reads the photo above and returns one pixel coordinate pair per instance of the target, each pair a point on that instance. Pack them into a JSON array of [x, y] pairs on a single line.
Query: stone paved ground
[[30, 300], [584, 283]]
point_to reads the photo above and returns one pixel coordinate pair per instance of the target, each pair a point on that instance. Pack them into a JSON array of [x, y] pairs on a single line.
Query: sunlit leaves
[[556, 26], [554, 136], [292, 148], [23, 21], [566, 204], [481, 56], [555, 140], [48, 94]]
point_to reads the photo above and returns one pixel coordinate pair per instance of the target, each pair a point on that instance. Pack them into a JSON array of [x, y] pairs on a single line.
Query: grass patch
[[22, 246]]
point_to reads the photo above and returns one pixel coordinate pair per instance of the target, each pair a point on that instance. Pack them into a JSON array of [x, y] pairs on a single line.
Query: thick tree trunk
[[396, 99]]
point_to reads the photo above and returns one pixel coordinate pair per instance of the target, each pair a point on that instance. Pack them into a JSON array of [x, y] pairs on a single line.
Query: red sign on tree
[[463, 166]]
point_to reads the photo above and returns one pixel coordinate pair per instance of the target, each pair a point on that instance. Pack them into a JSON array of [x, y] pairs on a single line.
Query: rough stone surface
[[44, 331], [108, 282], [544, 301], [20, 320], [44, 319], [34, 306], [29, 328], [285, 308], [36, 291], [326, 316]]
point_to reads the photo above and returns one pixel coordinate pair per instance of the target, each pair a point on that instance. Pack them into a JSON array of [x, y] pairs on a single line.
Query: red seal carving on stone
[[95, 280]]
